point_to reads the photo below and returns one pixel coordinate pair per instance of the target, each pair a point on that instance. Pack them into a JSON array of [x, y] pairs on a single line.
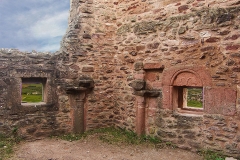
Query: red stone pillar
[[140, 126], [78, 114], [78, 117]]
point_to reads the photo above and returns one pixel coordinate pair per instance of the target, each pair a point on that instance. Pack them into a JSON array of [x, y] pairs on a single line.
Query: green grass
[[6, 145], [32, 92], [193, 103], [109, 135], [195, 90], [31, 98], [211, 155], [112, 135]]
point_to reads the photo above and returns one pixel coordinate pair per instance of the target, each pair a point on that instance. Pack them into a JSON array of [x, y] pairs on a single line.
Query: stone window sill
[[34, 107], [190, 111], [38, 104]]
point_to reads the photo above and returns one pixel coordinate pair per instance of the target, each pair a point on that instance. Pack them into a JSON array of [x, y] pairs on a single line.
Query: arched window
[[187, 91], [184, 88]]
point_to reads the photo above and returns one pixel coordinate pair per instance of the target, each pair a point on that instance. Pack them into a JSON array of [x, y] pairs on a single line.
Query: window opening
[[32, 90], [194, 97], [188, 98]]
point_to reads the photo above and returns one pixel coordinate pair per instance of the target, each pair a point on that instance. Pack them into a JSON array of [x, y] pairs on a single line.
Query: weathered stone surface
[[145, 28], [213, 39], [148, 93], [182, 30], [88, 69], [123, 29], [183, 8], [138, 85], [214, 103], [139, 55], [138, 66], [153, 65], [224, 17]]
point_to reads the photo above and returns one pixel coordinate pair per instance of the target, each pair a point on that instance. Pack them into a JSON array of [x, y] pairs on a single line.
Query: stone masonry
[[125, 64]]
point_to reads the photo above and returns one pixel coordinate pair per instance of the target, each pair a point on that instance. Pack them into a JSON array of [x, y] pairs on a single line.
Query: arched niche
[[187, 78]]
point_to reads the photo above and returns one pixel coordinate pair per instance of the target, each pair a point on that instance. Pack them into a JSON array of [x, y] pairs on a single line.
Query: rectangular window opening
[[32, 90]]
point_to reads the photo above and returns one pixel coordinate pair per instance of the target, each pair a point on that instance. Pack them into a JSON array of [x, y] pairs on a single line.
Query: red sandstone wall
[[134, 51], [88, 50], [173, 37], [137, 53]]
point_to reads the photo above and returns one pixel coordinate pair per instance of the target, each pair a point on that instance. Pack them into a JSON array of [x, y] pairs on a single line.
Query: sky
[[33, 24]]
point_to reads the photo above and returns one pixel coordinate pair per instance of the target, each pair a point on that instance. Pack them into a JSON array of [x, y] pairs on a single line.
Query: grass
[[6, 145], [196, 92], [193, 103], [32, 92], [31, 98], [109, 135], [112, 135], [211, 155]]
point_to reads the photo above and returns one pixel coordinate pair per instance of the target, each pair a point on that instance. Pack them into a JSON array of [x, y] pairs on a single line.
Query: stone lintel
[[153, 65]]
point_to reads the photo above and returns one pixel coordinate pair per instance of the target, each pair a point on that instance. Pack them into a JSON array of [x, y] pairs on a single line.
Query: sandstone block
[[183, 8], [139, 76], [138, 85], [212, 39], [140, 48], [153, 65], [138, 66], [214, 104], [232, 47], [224, 18], [88, 69]]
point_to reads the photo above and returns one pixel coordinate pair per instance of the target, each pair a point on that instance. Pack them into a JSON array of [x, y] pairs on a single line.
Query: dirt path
[[93, 149]]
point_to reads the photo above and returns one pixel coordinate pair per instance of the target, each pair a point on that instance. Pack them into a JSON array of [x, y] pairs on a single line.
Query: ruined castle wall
[[36, 119], [162, 39], [140, 55], [88, 51]]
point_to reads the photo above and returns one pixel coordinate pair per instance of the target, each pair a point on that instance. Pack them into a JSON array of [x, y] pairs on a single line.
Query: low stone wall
[[36, 119]]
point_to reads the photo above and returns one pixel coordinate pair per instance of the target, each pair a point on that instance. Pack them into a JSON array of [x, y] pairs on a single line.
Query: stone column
[[77, 96], [78, 116], [140, 118]]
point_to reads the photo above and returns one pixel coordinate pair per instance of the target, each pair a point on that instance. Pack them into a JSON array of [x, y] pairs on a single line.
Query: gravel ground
[[93, 149]]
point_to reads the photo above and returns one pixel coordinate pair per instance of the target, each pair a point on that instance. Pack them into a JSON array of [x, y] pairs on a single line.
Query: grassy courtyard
[[32, 92]]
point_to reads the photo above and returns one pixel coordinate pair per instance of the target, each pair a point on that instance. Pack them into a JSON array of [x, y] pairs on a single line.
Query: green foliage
[[32, 92], [211, 155]]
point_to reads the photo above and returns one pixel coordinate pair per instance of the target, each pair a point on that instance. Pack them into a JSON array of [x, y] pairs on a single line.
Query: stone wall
[[125, 64], [173, 44], [38, 119]]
